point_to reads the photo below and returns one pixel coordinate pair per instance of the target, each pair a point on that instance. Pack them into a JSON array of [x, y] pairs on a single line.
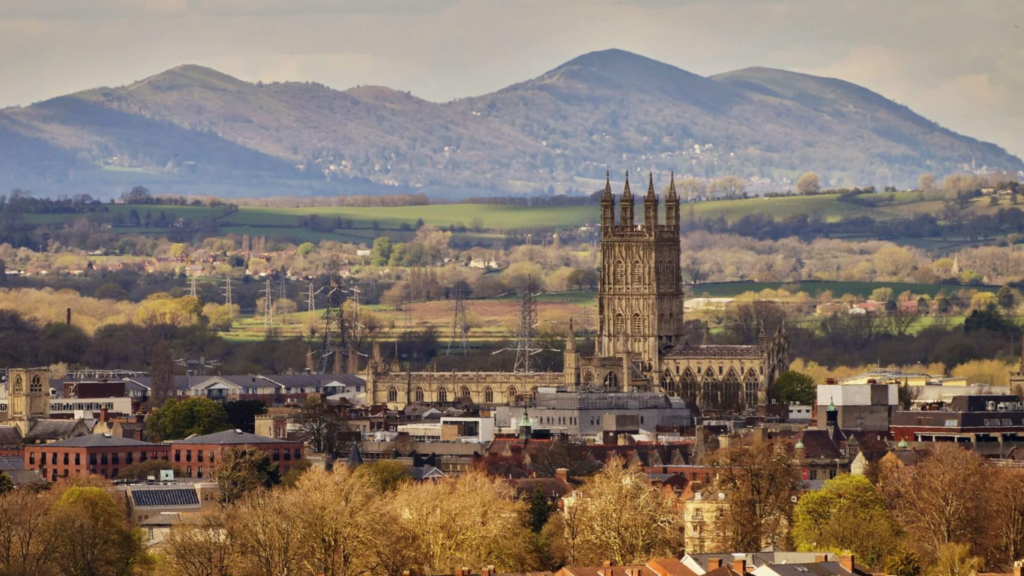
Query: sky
[[957, 62]]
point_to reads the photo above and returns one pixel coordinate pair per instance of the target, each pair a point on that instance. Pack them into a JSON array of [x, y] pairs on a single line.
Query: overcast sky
[[958, 62]]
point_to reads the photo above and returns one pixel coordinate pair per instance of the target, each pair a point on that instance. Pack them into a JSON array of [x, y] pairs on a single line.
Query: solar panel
[[165, 498]]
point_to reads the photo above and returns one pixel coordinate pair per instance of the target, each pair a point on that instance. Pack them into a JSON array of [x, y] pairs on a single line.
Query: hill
[[193, 130]]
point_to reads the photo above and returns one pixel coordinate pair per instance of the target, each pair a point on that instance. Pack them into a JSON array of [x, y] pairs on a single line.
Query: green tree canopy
[[794, 388], [182, 418], [244, 469], [847, 515]]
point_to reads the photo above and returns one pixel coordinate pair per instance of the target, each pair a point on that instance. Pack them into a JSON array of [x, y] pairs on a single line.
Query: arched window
[[688, 385], [18, 385], [464, 394], [419, 394], [619, 325], [611, 381], [638, 272], [620, 272], [442, 395], [488, 395], [731, 390], [392, 394], [511, 393], [638, 325], [36, 386], [750, 387]]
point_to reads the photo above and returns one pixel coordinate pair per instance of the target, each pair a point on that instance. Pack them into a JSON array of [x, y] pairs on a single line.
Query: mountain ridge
[[563, 128]]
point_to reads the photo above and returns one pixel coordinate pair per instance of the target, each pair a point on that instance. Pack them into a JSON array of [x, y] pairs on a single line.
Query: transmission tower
[[310, 298], [192, 287], [336, 343], [527, 329], [460, 326], [227, 290], [284, 287], [268, 307]]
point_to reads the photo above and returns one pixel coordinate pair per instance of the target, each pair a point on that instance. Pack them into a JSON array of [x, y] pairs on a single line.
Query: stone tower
[[28, 396], [640, 298], [571, 359]]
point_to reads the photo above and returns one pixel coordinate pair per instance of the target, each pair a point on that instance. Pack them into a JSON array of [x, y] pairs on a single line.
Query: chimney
[[846, 561], [714, 564], [819, 558], [1016, 569], [606, 563], [739, 565], [460, 572], [405, 573], [562, 474], [68, 320], [103, 414]]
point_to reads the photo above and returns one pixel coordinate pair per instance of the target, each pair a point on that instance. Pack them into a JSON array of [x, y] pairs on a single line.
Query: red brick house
[[199, 455], [94, 453]]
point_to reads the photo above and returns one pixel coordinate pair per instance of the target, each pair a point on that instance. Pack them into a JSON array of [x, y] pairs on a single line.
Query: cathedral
[[639, 343]]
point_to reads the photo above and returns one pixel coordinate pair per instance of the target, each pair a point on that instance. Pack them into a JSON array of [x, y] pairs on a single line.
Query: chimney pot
[[739, 565], [846, 561], [714, 564], [606, 563], [818, 558]]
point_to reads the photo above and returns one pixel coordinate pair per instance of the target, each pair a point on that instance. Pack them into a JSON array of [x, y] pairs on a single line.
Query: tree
[[6, 484], [183, 418], [581, 279], [199, 548], [1007, 299], [573, 457], [242, 414], [305, 249], [939, 501], [926, 183], [161, 373], [382, 250], [956, 560], [794, 388], [808, 183], [384, 475], [27, 534], [244, 469], [96, 539], [621, 516], [1007, 506], [847, 514], [323, 426], [898, 320], [540, 510], [220, 317], [759, 481], [903, 563], [263, 533], [727, 186]]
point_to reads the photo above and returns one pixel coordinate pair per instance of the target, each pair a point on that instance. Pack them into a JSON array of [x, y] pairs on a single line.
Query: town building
[[639, 344], [198, 456], [857, 406], [580, 413], [93, 454], [991, 425]]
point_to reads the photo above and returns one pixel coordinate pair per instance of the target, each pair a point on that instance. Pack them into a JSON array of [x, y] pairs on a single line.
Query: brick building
[[92, 453], [199, 455]]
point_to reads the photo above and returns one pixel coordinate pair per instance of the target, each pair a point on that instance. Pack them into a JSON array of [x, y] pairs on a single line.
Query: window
[[199, 456], [1007, 422], [620, 324], [287, 455], [36, 386], [638, 325], [177, 455], [488, 395], [719, 370], [54, 475], [104, 459], [53, 458], [442, 395], [638, 272], [511, 394], [129, 458], [78, 459], [199, 473], [277, 454], [392, 394], [188, 455], [620, 272], [465, 394], [814, 474], [113, 473], [115, 458], [419, 394], [298, 453], [32, 458], [92, 459], [951, 423], [188, 471], [18, 385], [212, 456], [66, 458]]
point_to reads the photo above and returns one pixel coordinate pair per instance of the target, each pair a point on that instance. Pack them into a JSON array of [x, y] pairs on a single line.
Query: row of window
[[442, 394], [102, 459]]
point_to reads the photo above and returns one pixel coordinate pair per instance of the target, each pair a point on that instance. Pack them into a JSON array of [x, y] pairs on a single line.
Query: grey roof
[[165, 497], [354, 457], [9, 435], [11, 463], [51, 429], [758, 559], [810, 569], [101, 441], [230, 437], [19, 477]]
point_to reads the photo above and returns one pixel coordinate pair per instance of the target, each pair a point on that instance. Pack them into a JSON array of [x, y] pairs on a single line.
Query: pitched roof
[[101, 441], [50, 429], [807, 569], [10, 435], [669, 567], [230, 438]]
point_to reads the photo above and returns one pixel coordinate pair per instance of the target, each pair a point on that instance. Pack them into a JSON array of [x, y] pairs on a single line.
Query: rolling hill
[[193, 129]]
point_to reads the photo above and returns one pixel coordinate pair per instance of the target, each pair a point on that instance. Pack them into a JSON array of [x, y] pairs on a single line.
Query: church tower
[[571, 360], [640, 300], [28, 396]]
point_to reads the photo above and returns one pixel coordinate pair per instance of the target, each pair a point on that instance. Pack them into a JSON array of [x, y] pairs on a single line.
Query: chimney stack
[[819, 558], [606, 563], [739, 565], [562, 474], [103, 414], [846, 561], [68, 320], [714, 564]]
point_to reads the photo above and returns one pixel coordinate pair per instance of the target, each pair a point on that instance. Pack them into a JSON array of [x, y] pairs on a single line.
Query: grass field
[[827, 206], [813, 288]]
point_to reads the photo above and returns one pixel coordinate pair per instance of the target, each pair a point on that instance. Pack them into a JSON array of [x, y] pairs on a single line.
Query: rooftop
[[230, 438]]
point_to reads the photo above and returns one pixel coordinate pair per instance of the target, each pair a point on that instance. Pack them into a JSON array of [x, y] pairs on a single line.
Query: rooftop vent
[[238, 430]]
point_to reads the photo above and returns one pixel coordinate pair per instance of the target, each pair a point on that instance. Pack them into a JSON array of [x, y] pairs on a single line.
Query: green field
[[827, 206]]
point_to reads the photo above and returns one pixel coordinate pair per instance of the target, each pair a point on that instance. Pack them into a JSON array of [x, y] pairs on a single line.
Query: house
[[702, 511], [820, 567], [199, 455], [700, 564], [653, 567], [93, 453]]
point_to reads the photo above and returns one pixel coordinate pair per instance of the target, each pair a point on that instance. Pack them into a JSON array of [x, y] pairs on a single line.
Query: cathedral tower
[[640, 300], [28, 396]]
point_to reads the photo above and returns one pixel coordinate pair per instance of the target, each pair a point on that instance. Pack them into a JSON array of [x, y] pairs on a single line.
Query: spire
[[626, 205], [607, 204], [672, 187], [625, 190], [570, 340], [650, 187], [607, 185]]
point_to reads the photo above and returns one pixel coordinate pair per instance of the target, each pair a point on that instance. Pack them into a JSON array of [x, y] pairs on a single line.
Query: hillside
[[192, 129]]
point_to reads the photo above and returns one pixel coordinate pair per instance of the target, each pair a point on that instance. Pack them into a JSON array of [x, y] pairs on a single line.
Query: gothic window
[[511, 394], [465, 393], [18, 386], [709, 391], [731, 390], [638, 325], [750, 387], [488, 395], [588, 379], [611, 381], [36, 386], [688, 385], [620, 273], [442, 395], [668, 383], [619, 325], [638, 272], [418, 394], [392, 394]]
